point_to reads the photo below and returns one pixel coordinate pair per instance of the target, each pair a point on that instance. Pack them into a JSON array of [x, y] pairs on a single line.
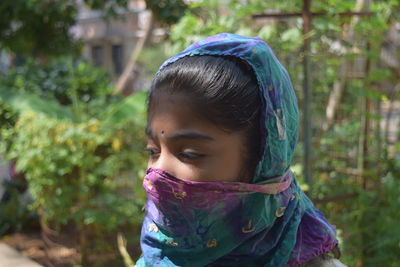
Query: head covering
[[268, 222]]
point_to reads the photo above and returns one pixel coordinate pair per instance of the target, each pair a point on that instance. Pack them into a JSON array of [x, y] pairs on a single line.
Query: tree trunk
[[126, 75], [378, 135], [392, 98], [338, 87]]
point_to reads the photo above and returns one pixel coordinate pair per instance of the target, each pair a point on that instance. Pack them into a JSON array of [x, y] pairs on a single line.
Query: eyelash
[[150, 151], [190, 156], [186, 155]]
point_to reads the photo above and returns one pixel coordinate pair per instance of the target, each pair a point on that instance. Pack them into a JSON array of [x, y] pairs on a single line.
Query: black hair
[[223, 89]]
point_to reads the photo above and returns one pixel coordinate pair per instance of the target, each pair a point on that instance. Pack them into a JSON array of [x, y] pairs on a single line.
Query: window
[[117, 58], [97, 55]]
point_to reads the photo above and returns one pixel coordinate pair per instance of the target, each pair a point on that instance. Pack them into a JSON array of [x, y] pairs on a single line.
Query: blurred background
[[73, 82]]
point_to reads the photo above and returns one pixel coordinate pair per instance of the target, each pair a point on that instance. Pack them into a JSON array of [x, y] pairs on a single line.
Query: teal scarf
[[268, 222]]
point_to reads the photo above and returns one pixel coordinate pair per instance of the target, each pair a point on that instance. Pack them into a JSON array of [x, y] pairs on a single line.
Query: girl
[[223, 123]]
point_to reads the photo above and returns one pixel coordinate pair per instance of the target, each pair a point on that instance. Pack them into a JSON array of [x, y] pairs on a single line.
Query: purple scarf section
[[217, 223]]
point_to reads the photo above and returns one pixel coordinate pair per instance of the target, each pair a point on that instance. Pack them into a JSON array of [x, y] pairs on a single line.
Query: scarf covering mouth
[[268, 222]]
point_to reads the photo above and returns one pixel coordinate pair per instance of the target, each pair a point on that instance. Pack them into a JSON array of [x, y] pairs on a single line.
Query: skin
[[189, 147]]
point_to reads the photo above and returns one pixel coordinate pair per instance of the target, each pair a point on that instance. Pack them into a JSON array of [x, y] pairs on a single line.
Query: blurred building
[[108, 42]]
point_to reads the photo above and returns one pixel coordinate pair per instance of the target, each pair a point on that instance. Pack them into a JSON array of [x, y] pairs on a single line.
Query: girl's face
[[189, 147]]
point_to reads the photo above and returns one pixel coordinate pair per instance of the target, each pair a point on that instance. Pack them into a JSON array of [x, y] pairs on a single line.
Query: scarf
[[268, 222]]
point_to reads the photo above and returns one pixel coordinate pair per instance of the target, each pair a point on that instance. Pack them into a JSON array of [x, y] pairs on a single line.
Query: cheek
[[230, 166], [223, 167], [226, 164]]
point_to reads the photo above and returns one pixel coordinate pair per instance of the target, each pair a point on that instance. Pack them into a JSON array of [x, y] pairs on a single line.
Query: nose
[[165, 162]]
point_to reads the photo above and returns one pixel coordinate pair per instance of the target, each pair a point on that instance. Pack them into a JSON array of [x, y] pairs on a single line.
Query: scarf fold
[[268, 222]]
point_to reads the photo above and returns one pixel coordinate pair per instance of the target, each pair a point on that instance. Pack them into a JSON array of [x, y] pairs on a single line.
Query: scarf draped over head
[[268, 222]]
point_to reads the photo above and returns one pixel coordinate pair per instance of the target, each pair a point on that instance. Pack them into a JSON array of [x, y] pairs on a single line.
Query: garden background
[[72, 123]]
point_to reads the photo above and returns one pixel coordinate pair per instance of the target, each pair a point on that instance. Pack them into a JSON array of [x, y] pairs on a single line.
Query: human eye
[[153, 152], [190, 155]]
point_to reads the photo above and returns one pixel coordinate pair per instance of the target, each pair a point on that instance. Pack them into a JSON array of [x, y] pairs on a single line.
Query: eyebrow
[[183, 135]]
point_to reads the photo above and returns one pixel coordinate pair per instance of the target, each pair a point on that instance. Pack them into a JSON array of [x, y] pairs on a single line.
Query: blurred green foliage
[[42, 29], [79, 147], [167, 11], [7, 115], [73, 169], [63, 81], [14, 211], [39, 28]]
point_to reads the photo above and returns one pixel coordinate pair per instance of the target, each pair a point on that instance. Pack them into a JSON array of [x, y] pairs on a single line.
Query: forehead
[[165, 101], [172, 112]]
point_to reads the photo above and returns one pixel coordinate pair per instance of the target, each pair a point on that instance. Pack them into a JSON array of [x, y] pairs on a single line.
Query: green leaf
[[267, 32], [132, 107], [22, 102]]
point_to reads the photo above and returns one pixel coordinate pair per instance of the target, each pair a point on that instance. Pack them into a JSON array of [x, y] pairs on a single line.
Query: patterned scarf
[[268, 222]]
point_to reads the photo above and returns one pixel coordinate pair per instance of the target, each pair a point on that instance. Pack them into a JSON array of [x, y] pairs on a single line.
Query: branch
[[124, 252], [348, 171], [124, 78], [335, 198]]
